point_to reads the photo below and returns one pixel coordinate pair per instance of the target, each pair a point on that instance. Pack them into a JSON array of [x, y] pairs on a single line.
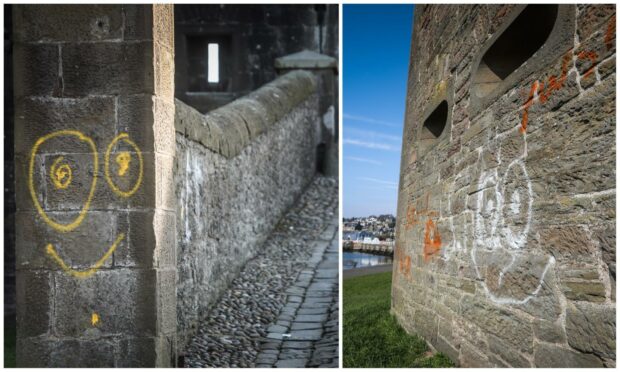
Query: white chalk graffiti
[[498, 234]]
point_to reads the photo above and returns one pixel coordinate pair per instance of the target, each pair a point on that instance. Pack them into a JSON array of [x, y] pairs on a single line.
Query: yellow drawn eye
[[61, 178], [123, 159], [94, 319], [61, 175]]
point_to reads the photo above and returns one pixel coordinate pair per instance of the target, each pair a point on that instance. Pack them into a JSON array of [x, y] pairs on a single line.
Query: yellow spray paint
[[125, 138], [78, 220], [94, 319], [88, 272], [123, 159], [61, 176]]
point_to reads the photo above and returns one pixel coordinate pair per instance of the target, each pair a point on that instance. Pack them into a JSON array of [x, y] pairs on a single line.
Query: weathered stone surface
[[107, 74], [584, 291], [606, 237], [68, 23], [220, 230], [591, 328], [546, 355], [97, 277], [521, 191], [552, 332], [230, 128], [508, 326]]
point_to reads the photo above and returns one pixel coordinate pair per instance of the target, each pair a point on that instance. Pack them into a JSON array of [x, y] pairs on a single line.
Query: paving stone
[[313, 311], [277, 329], [312, 340], [291, 363], [307, 335], [311, 318], [306, 326], [297, 345]]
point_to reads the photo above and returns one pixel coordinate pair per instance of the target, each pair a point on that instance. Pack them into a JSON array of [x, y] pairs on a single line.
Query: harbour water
[[352, 260]]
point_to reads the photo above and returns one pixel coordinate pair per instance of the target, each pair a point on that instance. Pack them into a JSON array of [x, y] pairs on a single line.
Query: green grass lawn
[[9, 343], [372, 337]]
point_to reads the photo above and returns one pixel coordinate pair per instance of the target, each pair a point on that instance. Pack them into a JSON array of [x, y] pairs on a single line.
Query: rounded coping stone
[[230, 128]]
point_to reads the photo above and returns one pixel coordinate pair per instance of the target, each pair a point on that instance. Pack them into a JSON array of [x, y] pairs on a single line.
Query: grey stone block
[[123, 299], [36, 70], [106, 74], [546, 355], [34, 301], [68, 23]]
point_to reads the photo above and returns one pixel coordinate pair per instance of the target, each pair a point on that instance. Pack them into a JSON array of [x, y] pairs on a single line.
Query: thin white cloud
[[389, 187], [376, 180], [363, 160], [371, 134], [371, 145], [364, 119]]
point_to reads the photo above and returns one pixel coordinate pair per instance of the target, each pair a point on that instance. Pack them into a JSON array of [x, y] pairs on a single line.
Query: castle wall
[[505, 252]]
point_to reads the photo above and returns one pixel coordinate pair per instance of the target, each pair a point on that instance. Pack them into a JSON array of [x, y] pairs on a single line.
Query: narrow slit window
[[213, 64], [521, 40]]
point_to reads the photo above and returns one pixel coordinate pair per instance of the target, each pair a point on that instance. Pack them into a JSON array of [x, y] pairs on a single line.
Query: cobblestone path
[[306, 332], [298, 264]]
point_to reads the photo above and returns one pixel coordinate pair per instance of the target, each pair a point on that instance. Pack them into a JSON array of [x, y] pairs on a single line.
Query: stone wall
[[238, 169], [505, 250], [94, 157]]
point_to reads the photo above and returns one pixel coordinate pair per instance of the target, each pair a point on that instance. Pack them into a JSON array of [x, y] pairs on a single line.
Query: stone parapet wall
[[230, 128], [238, 169], [505, 249]]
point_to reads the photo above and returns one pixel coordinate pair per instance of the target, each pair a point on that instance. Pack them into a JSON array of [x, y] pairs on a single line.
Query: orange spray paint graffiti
[[432, 245], [411, 221], [404, 266], [592, 56], [610, 34], [432, 240], [554, 83]]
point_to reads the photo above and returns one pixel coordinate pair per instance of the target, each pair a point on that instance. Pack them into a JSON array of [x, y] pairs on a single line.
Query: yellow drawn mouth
[[90, 271]]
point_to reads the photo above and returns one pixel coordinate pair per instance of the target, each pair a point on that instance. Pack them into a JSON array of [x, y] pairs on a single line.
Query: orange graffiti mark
[[610, 34], [592, 56], [404, 266], [411, 221], [432, 244], [553, 84], [403, 261], [528, 103]]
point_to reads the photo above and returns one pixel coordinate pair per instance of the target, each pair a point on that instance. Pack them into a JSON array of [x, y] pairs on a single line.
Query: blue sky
[[376, 41]]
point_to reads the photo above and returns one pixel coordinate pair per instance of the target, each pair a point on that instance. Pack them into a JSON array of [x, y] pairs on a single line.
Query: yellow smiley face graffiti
[[61, 175]]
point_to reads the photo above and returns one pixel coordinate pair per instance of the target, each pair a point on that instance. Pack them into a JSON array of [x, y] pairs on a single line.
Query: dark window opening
[[435, 123], [208, 70], [520, 41]]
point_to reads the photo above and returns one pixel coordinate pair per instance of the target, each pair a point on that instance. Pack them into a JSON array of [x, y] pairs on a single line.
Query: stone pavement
[[306, 331], [299, 256]]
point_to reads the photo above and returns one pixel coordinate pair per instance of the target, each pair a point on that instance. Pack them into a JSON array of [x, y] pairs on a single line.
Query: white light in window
[[213, 73]]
